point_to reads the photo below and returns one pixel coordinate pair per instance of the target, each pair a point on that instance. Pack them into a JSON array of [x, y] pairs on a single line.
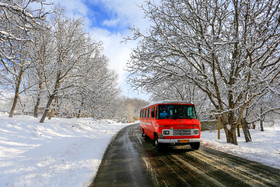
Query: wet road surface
[[132, 161]]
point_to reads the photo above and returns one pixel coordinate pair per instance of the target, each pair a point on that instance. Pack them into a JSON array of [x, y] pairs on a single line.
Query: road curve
[[132, 161]]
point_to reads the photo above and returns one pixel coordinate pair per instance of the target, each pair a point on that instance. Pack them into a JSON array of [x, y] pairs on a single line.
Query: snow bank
[[60, 152], [265, 147]]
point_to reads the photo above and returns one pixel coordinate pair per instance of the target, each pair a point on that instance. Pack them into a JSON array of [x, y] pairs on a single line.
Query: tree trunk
[[231, 134], [16, 94], [38, 100], [262, 119], [37, 106], [261, 124], [219, 127], [238, 130], [246, 131], [46, 111], [80, 111], [51, 98], [51, 114]]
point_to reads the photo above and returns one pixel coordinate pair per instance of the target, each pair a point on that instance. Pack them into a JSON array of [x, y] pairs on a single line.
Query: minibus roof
[[168, 102]]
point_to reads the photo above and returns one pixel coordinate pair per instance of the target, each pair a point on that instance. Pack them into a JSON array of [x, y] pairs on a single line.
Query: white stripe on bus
[[145, 123]]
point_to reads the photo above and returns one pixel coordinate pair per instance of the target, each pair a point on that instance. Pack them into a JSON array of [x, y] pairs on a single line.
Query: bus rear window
[[176, 112]]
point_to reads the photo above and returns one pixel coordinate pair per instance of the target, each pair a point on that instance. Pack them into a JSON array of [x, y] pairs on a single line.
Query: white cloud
[[112, 22], [129, 12], [73, 8]]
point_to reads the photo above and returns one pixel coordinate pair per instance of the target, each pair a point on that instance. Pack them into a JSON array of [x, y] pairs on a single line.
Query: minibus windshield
[[176, 112]]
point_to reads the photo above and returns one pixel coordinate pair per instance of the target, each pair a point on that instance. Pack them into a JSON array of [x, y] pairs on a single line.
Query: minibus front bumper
[[171, 141]]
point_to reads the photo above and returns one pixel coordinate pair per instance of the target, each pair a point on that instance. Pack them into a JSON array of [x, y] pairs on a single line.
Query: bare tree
[[18, 15], [70, 51], [78, 75], [264, 108], [181, 91], [95, 89], [18, 23], [229, 49], [103, 91], [43, 50]]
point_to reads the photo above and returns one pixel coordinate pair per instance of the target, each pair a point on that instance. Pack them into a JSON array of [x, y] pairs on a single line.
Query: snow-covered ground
[[265, 147], [60, 152], [67, 152]]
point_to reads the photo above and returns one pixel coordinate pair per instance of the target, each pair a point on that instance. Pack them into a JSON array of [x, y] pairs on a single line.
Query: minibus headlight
[[166, 132], [196, 131]]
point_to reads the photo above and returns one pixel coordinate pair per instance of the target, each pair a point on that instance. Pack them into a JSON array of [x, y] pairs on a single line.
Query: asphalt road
[[132, 161]]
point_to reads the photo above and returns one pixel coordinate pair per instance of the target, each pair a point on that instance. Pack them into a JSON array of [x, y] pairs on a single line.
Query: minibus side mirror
[[153, 114]]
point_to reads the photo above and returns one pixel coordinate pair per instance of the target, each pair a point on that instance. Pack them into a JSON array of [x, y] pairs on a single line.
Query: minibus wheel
[[146, 137], [156, 141], [195, 145], [159, 146]]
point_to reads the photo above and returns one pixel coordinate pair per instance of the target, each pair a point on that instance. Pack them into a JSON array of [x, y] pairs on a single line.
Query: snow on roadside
[[60, 152], [265, 147]]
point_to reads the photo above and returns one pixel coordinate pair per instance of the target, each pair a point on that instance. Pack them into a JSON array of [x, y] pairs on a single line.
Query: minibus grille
[[182, 132]]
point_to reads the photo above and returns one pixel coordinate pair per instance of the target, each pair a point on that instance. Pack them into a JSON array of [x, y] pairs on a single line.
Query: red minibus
[[172, 123]]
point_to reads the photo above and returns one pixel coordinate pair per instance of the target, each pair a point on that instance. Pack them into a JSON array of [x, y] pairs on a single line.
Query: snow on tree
[[95, 89], [54, 62], [77, 77], [18, 23], [70, 52], [181, 91], [19, 15], [228, 49], [43, 48]]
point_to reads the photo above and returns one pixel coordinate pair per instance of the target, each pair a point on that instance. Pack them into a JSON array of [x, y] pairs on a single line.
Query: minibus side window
[[157, 112], [153, 112]]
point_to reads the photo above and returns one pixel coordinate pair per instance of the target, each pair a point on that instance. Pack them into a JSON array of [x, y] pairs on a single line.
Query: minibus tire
[[146, 137], [195, 145], [159, 146]]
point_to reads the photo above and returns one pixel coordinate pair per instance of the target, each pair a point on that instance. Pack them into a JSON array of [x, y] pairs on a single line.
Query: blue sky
[[109, 21], [102, 17]]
